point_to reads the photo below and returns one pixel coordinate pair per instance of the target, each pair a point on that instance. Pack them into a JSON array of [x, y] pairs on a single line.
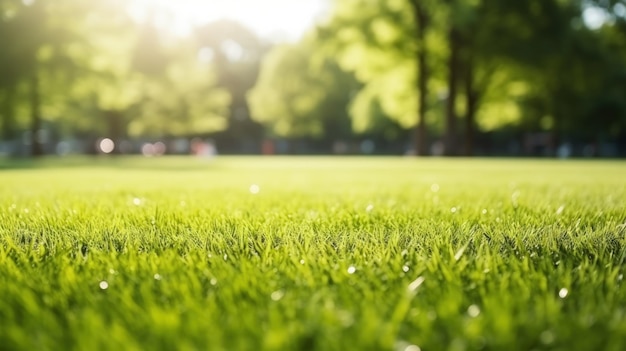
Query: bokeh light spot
[[106, 145]]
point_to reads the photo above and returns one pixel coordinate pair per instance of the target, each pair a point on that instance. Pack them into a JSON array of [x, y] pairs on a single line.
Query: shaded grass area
[[312, 254]]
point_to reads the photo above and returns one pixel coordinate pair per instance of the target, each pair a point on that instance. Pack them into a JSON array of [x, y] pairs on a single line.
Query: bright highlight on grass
[[254, 189], [337, 253]]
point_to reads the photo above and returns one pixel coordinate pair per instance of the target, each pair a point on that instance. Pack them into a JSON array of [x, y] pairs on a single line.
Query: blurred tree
[[297, 96], [392, 45], [570, 70], [507, 60], [385, 44], [235, 53], [422, 19], [605, 110], [9, 76], [111, 85], [179, 93], [140, 83], [183, 99], [42, 48], [94, 70]]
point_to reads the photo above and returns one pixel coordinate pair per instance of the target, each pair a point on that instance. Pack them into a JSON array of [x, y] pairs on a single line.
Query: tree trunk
[[8, 118], [556, 135], [471, 96], [557, 115], [453, 77], [36, 123], [421, 26], [117, 128]]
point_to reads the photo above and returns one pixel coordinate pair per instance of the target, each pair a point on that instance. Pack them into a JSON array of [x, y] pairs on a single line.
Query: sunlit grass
[[312, 253]]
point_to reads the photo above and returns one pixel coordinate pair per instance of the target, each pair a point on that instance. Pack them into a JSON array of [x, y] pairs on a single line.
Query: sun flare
[[277, 19]]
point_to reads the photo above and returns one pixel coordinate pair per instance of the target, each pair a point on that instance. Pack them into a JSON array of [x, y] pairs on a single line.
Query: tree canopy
[[452, 71], [89, 68]]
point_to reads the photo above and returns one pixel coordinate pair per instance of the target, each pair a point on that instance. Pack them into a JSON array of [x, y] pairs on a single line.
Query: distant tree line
[[453, 77], [452, 69]]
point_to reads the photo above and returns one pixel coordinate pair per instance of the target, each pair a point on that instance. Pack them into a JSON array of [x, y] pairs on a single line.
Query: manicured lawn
[[245, 253]]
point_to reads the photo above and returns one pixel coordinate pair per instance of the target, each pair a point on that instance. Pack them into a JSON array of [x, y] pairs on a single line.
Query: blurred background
[[400, 77]]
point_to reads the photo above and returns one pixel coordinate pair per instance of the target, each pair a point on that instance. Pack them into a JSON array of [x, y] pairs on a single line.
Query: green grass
[[330, 254]]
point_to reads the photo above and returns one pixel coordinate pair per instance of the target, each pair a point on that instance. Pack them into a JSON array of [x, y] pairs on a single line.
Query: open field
[[244, 253]]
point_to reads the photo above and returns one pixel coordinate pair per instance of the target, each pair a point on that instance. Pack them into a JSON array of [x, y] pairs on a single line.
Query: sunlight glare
[[595, 17], [275, 19]]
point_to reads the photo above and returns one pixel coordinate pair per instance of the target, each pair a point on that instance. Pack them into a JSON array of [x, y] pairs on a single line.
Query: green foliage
[[376, 43], [184, 99], [89, 68], [156, 88], [98, 70], [41, 49], [300, 96], [565, 69], [328, 254], [235, 53]]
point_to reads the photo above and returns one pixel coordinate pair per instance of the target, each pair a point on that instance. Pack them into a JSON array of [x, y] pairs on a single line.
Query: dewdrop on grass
[[473, 311], [277, 295], [416, 284], [560, 210]]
